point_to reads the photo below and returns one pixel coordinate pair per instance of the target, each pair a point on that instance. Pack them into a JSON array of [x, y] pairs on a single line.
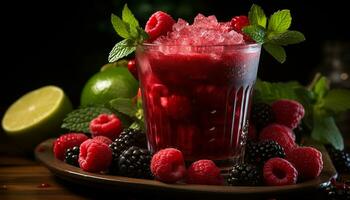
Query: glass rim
[[244, 45]]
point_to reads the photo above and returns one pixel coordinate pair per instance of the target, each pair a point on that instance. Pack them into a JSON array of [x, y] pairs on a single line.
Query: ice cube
[[205, 31]]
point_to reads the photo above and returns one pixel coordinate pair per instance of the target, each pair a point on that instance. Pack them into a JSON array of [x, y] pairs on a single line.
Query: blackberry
[[340, 159], [135, 162], [259, 153], [126, 139], [262, 115], [71, 156], [245, 175], [337, 191]]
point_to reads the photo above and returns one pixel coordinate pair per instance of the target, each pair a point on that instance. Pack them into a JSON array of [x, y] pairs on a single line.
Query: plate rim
[[43, 153]]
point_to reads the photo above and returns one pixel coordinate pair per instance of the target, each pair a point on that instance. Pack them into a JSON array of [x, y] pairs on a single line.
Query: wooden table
[[21, 177]]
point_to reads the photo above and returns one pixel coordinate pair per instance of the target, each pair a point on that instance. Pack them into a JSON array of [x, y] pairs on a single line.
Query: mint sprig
[[128, 28], [273, 33], [322, 104]]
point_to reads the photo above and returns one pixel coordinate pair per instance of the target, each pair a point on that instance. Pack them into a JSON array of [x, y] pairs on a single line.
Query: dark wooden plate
[[43, 153]]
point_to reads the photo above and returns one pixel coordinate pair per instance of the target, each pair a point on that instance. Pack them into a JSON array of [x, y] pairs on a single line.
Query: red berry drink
[[196, 84]]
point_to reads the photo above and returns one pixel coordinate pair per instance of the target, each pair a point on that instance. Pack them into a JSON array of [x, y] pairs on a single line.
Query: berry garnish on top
[[238, 23], [160, 23]]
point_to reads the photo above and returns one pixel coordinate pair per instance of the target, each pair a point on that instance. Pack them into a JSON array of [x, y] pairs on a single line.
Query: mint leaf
[[321, 88], [131, 22], [257, 16], [128, 17], [337, 100], [124, 105], [142, 34], [280, 21], [276, 51], [120, 27], [256, 32], [269, 92], [326, 131], [79, 120], [287, 37], [121, 49]]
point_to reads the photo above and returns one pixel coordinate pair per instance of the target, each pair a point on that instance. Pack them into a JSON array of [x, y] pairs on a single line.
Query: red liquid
[[198, 102]]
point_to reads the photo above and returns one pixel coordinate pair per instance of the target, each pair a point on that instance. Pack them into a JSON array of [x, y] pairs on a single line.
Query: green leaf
[[120, 27], [124, 105], [128, 17], [287, 37], [269, 92], [121, 49], [321, 88], [326, 131], [276, 51], [280, 21], [257, 16], [142, 34], [337, 100], [256, 32], [79, 120]]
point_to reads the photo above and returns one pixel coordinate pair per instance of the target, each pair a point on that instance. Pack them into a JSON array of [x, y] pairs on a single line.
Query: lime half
[[36, 116]]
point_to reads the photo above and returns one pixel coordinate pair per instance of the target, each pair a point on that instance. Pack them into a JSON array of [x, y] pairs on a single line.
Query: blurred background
[[65, 42]]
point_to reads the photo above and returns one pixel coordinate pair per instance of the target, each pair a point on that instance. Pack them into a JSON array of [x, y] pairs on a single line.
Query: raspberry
[[176, 106], [307, 160], [278, 171], [158, 24], [238, 23], [103, 139], [106, 125], [262, 115], [67, 141], [288, 112], [280, 134], [132, 68], [94, 156], [204, 172], [168, 165]]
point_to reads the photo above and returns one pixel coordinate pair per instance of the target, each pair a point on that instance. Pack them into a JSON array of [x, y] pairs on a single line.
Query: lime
[[111, 83], [36, 116], [119, 63]]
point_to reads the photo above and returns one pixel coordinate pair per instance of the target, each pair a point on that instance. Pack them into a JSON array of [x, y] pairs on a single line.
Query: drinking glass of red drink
[[196, 85]]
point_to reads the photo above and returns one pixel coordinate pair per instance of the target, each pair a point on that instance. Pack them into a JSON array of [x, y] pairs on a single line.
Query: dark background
[[65, 42]]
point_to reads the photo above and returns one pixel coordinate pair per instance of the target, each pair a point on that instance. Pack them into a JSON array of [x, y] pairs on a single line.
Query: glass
[[197, 98]]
